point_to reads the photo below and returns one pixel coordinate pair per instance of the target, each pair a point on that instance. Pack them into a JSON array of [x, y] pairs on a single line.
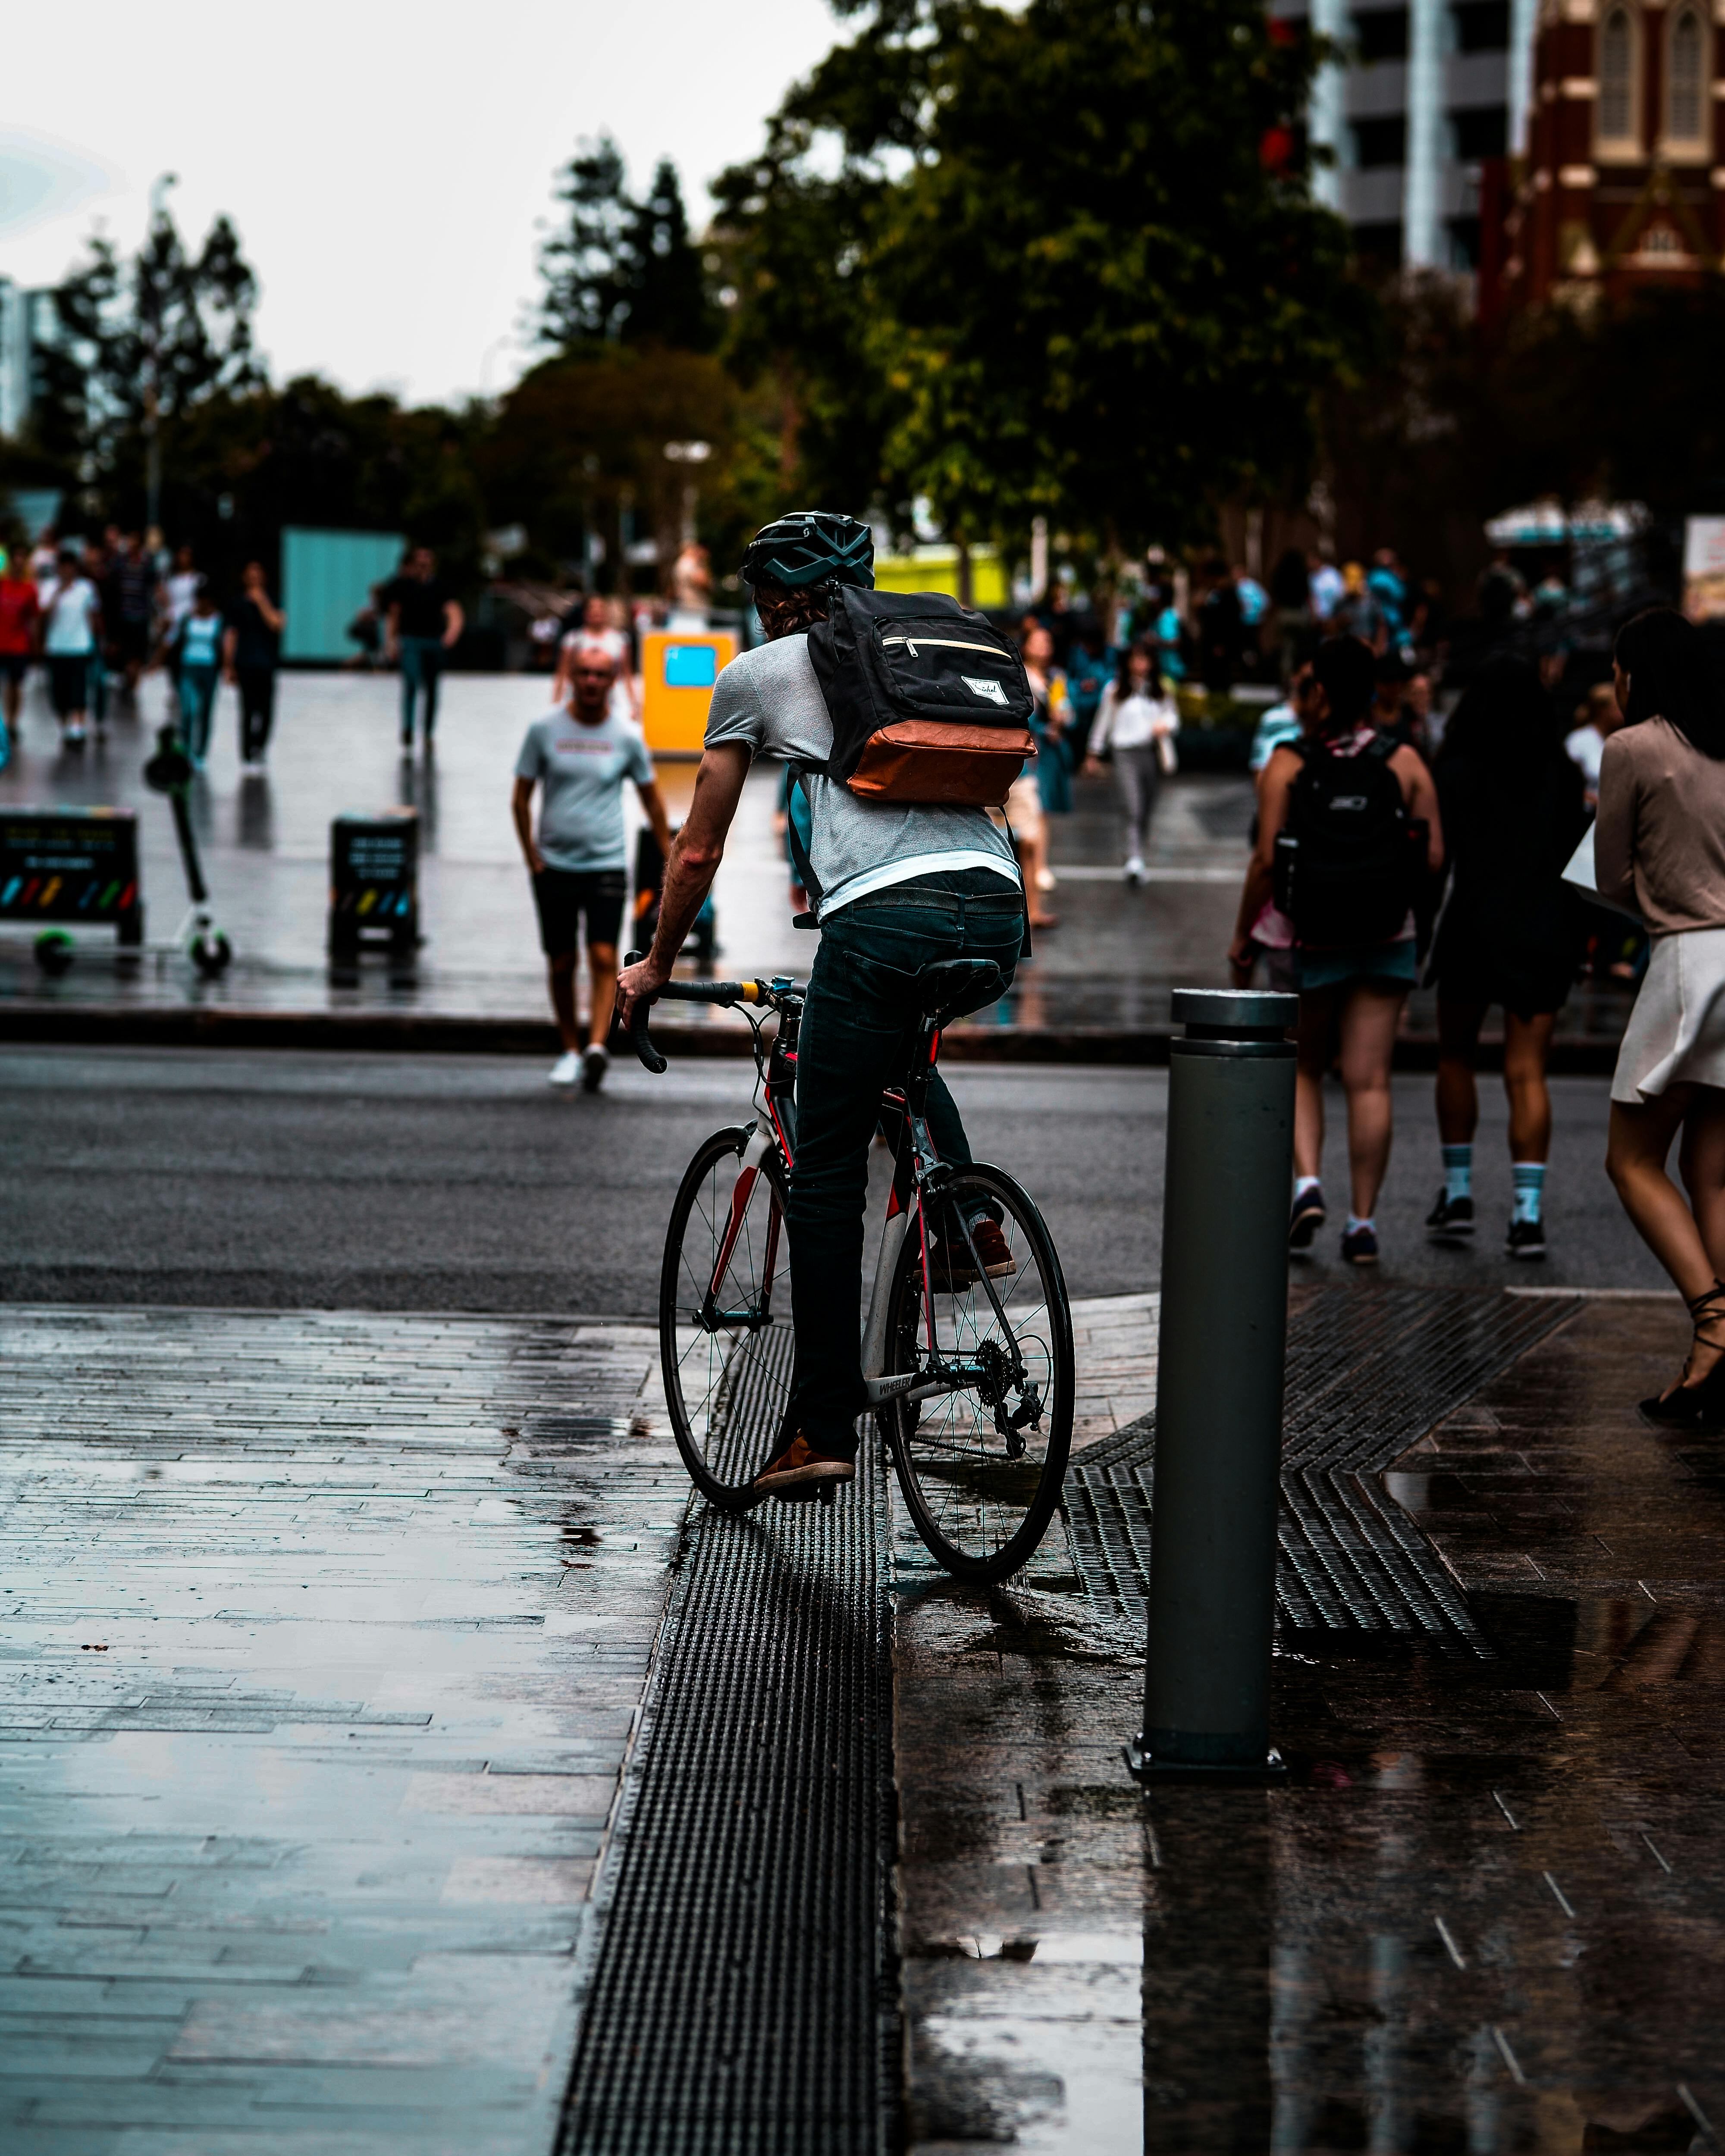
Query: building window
[[1617, 81], [1380, 33], [1482, 26], [1686, 79], [1481, 131], [1380, 142]]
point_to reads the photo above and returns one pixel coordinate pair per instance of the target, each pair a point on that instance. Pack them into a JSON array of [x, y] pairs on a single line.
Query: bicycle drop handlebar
[[725, 993]]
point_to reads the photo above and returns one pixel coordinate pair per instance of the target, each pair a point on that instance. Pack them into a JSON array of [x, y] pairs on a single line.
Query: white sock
[[1354, 1221], [1302, 1183]]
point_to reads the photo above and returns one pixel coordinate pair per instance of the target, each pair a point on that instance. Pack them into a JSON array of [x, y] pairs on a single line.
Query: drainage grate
[[742, 1998], [1368, 1374]]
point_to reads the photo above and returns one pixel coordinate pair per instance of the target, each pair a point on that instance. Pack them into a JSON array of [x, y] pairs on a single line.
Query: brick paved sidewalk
[[323, 1639]]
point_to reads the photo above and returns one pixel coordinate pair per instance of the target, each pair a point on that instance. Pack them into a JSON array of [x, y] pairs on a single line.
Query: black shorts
[[69, 678], [13, 666], [563, 896]]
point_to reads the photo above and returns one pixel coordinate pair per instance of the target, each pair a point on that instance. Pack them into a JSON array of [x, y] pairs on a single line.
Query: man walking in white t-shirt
[[579, 755]]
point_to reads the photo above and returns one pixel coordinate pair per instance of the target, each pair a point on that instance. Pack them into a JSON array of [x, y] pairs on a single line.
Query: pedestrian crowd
[[98, 614], [1476, 862]]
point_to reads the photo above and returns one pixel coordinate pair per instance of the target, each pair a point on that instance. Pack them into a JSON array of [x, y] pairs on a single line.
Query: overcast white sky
[[386, 165]]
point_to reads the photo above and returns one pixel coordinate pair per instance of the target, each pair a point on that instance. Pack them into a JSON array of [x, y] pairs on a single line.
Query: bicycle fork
[[747, 1173]]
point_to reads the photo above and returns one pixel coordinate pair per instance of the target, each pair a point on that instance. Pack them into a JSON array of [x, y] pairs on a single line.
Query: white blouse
[[1131, 722]]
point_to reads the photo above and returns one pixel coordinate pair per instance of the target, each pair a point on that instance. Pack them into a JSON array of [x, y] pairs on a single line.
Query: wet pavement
[[466, 1183], [1106, 971], [326, 1635], [324, 1639], [1486, 1913]]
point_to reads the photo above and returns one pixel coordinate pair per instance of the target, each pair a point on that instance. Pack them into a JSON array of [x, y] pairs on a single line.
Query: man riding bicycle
[[902, 887]]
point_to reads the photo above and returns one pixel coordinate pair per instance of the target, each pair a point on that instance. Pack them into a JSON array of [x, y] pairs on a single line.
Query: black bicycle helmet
[[811, 547]]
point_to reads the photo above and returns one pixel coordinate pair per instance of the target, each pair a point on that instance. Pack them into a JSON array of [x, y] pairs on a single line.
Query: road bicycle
[[968, 1367]]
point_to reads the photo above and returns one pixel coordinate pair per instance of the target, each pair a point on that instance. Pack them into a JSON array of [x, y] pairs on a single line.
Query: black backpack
[[928, 703], [1346, 871]]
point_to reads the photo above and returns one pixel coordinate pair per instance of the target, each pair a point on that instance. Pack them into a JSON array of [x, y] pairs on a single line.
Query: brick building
[[1624, 180]]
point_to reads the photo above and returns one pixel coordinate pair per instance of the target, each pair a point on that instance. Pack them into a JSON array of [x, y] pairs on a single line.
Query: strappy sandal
[[1702, 1405]]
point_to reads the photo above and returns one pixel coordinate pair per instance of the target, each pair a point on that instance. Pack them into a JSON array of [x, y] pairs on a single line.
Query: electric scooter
[[170, 772]]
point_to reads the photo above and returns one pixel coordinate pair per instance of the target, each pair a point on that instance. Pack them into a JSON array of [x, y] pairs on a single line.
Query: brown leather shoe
[[949, 1266], [799, 1469]]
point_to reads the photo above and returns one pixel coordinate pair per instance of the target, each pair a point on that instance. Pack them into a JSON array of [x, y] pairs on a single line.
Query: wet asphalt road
[[419, 1182]]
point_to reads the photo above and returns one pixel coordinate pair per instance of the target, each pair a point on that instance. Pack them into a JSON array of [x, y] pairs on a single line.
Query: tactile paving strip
[[1368, 1374], [742, 1999]]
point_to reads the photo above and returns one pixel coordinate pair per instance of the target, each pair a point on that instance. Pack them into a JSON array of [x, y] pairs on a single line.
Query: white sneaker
[[567, 1070], [1134, 869], [594, 1064]]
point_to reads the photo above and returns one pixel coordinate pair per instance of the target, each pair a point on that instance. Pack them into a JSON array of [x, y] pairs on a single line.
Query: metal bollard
[[1222, 1342]]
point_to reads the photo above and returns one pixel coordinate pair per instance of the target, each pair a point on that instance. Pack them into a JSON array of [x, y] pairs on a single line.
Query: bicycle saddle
[[952, 987]]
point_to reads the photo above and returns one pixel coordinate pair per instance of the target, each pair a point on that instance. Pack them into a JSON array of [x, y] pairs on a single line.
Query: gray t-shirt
[[770, 699], [582, 769]]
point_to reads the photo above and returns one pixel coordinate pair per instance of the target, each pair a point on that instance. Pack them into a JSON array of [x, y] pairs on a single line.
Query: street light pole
[[151, 312]]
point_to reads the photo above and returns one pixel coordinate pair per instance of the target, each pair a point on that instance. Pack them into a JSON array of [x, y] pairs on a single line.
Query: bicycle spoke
[[982, 1455], [727, 1357]]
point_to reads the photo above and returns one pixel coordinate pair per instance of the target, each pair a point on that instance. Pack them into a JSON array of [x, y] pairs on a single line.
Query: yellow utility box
[[678, 670]]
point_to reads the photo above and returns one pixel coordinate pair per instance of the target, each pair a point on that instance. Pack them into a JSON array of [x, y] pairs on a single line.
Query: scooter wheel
[[56, 951], [210, 954]]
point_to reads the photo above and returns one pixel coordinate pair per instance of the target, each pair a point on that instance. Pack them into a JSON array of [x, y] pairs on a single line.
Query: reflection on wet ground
[[1486, 1914], [324, 1638]]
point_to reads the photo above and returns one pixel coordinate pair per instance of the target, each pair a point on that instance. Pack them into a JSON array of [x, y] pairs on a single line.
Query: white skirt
[[1676, 1035]]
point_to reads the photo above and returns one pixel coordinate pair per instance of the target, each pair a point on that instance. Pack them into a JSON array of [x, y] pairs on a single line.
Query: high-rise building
[[16, 312], [1429, 91]]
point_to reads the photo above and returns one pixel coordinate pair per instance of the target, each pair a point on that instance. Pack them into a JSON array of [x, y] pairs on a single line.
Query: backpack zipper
[[939, 644]]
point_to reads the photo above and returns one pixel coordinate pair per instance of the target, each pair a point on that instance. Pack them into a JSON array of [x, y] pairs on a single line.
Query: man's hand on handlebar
[[638, 983]]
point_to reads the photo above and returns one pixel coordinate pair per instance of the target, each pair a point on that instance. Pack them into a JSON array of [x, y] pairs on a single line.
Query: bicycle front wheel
[[724, 1317], [982, 1458]]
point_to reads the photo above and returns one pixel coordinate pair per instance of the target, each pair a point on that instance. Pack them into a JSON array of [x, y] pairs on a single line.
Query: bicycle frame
[[917, 1170]]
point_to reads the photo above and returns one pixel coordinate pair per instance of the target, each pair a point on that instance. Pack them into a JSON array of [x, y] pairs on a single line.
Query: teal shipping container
[[326, 578]]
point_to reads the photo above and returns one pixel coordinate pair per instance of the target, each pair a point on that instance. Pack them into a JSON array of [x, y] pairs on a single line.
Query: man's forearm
[[686, 885]]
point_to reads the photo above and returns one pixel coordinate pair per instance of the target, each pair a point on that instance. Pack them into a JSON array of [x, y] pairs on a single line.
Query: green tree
[[168, 327], [579, 448], [1062, 262], [623, 270]]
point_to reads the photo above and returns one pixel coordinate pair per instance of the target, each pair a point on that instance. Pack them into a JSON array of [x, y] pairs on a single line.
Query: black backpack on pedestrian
[[929, 704], [1346, 868]]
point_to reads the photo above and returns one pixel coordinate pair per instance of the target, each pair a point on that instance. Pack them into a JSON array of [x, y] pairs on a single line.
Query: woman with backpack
[[1340, 858], [1513, 811], [1659, 847]]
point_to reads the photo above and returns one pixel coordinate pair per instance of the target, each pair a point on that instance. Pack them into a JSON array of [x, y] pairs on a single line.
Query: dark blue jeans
[[860, 1017], [421, 658]]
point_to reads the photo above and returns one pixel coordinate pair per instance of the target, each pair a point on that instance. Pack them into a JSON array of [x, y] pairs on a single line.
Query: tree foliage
[[623, 269], [579, 446], [1061, 261], [165, 323]]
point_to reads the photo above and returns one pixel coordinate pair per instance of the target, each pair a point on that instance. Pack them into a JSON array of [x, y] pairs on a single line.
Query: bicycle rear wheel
[[981, 1464], [725, 1318]]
